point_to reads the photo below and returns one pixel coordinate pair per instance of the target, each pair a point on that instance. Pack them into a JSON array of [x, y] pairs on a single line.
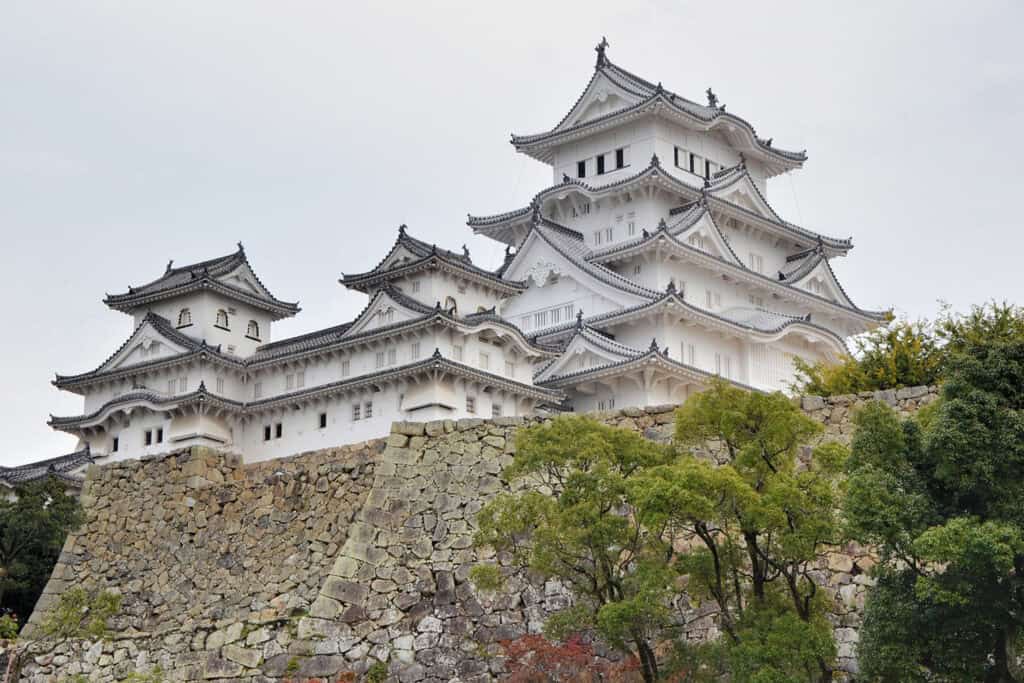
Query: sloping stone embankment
[[326, 562]]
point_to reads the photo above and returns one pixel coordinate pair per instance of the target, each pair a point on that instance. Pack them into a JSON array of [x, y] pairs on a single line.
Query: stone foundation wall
[[327, 562]]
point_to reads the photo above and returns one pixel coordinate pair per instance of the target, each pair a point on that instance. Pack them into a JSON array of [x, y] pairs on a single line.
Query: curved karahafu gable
[[614, 95], [510, 227]]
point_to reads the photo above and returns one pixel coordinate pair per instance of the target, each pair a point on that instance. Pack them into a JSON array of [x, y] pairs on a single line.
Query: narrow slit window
[[323, 420], [620, 158], [581, 169]]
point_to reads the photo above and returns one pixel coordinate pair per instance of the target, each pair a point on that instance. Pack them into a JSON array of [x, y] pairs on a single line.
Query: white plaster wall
[[203, 307], [637, 135]]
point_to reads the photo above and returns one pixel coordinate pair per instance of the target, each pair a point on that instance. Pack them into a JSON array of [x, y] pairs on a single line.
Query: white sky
[[132, 133]]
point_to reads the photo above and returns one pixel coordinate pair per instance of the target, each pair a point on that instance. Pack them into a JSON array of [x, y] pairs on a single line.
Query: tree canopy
[[940, 496], [907, 353], [32, 531]]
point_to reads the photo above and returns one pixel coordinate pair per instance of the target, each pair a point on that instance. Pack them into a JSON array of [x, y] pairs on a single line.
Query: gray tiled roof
[[178, 279], [62, 467]]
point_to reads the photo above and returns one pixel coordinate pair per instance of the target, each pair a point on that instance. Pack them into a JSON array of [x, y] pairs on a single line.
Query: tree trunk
[[648, 662], [1000, 672], [826, 672]]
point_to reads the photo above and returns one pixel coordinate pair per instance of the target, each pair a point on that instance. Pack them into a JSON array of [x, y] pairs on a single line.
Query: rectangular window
[[257, 390], [380, 359], [457, 353], [160, 435], [695, 163], [691, 351], [182, 384], [392, 356], [631, 228], [356, 411], [278, 430], [707, 169], [510, 369], [415, 286], [346, 367], [172, 386], [300, 379], [115, 444], [485, 361], [569, 309], [323, 420], [718, 300], [581, 169], [678, 153], [289, 381], [471, 405], [220, 385], [597, 237], [637, 268], [148, 437], [707, 298], [266, 433], [620, 158], [600, 164], [556, 315], [368, 409], [495, 410], [608, 233], [414, 350], [756, 263], [540, 319], [524, 322], [756, 301], [727, 366]]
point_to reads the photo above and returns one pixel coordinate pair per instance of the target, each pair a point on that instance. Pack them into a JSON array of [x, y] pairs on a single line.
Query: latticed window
[[184, 317], [222, 319]]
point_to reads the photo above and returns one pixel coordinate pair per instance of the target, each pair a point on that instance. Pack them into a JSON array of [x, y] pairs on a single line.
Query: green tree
[[941, 496], [32, 531], [572, 523], [756, 523]]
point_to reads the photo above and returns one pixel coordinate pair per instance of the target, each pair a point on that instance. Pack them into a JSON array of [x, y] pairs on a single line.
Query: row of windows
[[471, 407], [252, 330], [603, 163], [149, 437], [177, 386], [584, 209], [608, 404], [696, 164], [723, 362], [551, 316]]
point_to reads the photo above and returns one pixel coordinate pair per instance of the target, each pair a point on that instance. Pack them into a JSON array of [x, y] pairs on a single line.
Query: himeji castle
[[652, 264]]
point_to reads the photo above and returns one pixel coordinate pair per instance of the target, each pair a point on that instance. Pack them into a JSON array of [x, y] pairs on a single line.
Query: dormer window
[[222, 319], [184, 317], [253, 330]]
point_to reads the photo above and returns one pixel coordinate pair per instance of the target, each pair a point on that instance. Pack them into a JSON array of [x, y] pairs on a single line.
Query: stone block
[[407, 428], [345, 591], [247, 657], [810, 403], [217, 667], [322, 665]]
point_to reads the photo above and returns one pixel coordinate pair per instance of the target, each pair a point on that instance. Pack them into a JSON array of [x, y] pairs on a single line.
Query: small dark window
[[278, 429], [692, 169], [114, 445], [600, 164], [581, 169], [620, 158], [266, 433], [677, 158], [323, 420], [160, 435], [707, 168], [222, 319], [149, 437]]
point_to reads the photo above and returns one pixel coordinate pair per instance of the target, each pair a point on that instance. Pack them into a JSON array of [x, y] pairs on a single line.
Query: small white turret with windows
[[653, 264]]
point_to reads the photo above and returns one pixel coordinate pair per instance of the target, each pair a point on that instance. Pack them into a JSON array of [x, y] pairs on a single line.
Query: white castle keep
[[653, 263]]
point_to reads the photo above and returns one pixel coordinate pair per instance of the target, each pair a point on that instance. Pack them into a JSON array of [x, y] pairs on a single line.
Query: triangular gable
[[704, 234], [538, 260], [821, 281], [146, 344], [244, 279], [399, 255], [382, 311], [601, 97], [583, 352], [742, 192]]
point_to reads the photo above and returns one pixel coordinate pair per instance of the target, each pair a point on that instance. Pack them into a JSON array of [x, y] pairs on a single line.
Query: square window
[[323, 420], [278, 430], [356, 410], [266, 433]]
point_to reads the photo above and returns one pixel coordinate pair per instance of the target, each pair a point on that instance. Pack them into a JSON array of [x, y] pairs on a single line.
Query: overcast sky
[[133, 133]]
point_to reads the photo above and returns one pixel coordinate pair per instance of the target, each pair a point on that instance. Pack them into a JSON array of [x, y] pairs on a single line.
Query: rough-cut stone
[[322, 563]]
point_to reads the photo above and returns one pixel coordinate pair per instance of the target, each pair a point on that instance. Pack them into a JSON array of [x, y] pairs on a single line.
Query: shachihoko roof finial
[[402, 228], [465, 251], [768, 142], [579, 319], [662, 225], [654, 344], [655, 161], [437, 353], [170, 265], [241, 247], [602, 59], [566, 178], [671, 289], [712, 98]]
